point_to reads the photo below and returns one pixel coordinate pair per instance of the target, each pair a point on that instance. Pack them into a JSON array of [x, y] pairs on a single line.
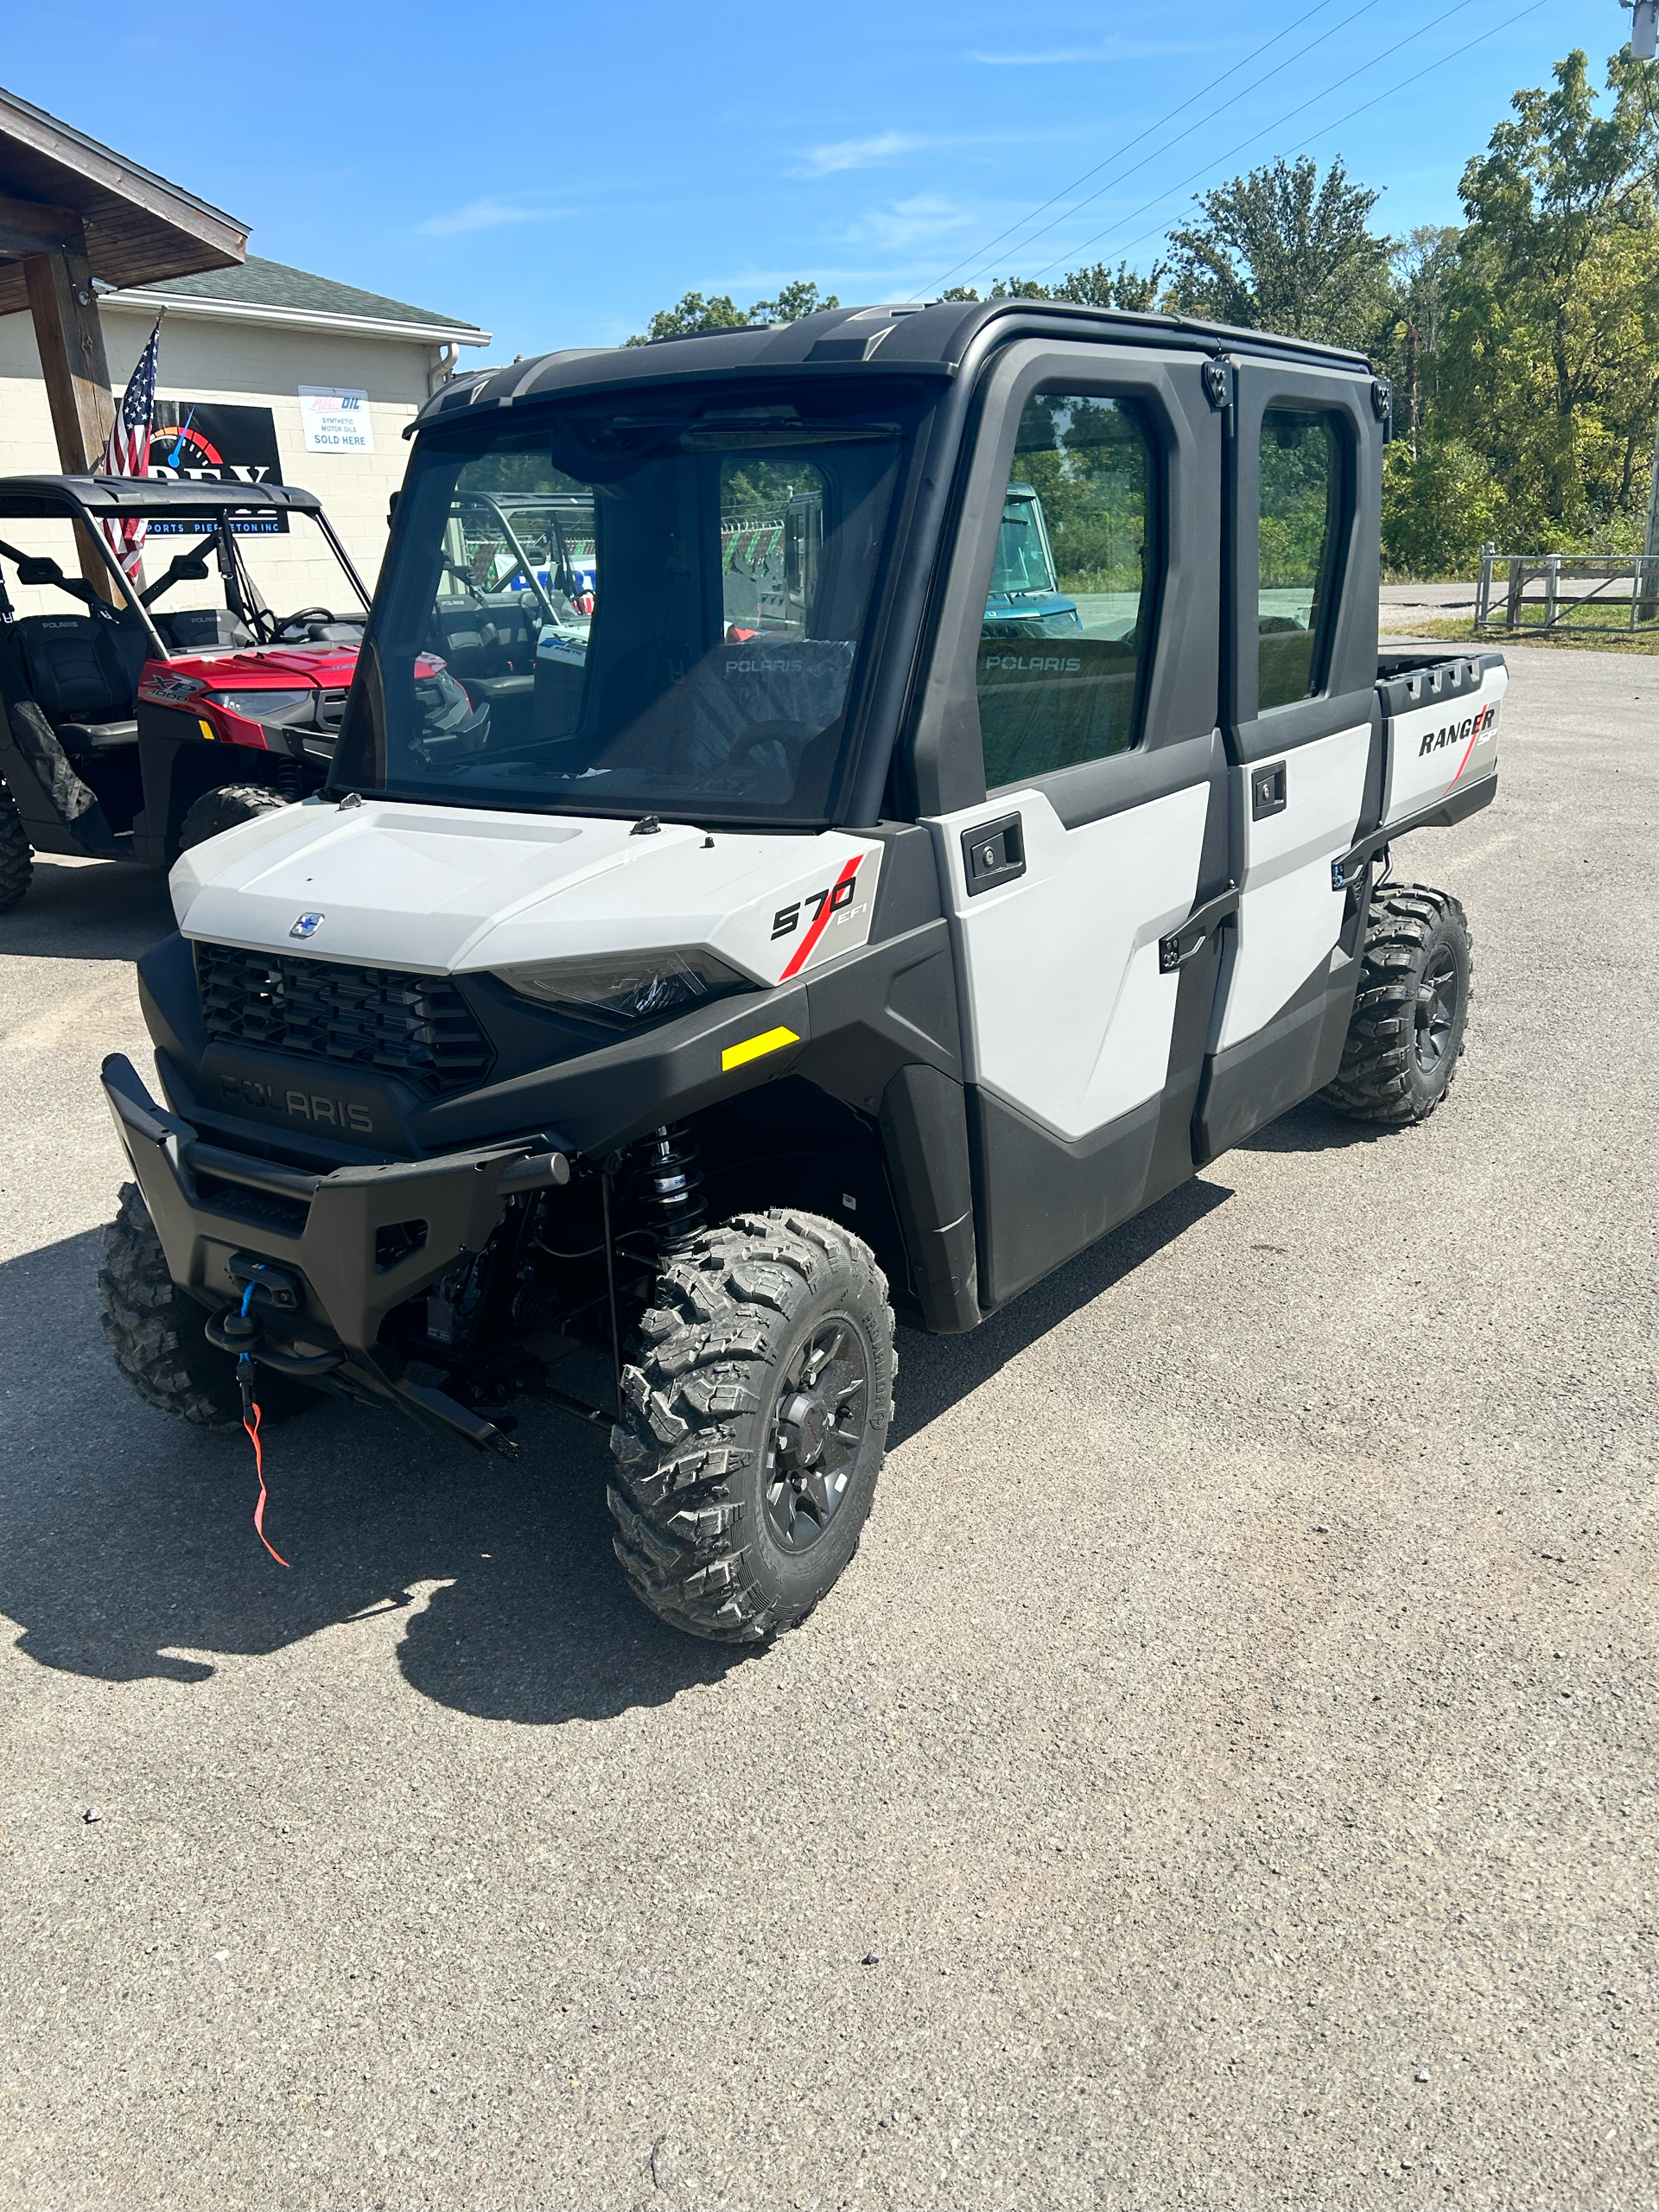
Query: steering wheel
[[307, 614]]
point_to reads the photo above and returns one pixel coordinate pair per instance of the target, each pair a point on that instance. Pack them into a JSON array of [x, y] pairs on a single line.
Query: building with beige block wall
[[254, 338]]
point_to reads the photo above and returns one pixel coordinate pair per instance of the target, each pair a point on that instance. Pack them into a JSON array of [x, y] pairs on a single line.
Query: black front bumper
[[352, 1244]]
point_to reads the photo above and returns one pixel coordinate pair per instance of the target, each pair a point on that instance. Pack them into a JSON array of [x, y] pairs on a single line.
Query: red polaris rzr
[[140, 722]]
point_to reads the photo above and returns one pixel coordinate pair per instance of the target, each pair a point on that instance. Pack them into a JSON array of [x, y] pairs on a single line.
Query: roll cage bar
[[92, 500]]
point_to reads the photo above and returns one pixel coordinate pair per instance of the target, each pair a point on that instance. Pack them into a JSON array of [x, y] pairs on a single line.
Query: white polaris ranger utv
[[753, 960]]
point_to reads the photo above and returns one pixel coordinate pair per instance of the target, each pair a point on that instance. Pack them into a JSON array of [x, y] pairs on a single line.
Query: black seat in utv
[[83, 673]]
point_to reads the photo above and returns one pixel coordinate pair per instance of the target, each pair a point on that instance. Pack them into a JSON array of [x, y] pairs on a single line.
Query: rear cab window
[[1299, 540]]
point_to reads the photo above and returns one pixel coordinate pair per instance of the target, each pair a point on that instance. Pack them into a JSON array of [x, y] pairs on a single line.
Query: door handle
[[1179, 947], [1267, 790], [993, 853]]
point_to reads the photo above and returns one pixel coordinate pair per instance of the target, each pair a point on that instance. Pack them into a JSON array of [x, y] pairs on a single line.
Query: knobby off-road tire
[[218, 811], [157, 1332], [755, 1425], [1412, 1011], [16, 855]]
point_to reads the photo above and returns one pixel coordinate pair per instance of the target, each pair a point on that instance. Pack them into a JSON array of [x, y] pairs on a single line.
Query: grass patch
[[1645, 640]]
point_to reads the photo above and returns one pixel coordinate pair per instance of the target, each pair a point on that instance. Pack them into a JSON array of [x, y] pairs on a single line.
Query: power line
[[1216, 160], [1279, 67], [980, 253]]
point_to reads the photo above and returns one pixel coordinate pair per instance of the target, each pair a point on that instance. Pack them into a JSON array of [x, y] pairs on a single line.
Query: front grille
[[415, 1027], [331, 710]]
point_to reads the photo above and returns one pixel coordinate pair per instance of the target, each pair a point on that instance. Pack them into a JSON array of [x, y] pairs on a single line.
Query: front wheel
[[1411, 1013], [755, 1426], [155, 1332], [216, 811]]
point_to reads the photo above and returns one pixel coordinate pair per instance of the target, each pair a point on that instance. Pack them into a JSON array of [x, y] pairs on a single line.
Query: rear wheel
[[1410, 1016], [155, 1332], [16, 855], [755, 1426], [221, 809]]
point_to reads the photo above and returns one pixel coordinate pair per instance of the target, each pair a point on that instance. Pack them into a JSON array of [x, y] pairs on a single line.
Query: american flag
[[127, 452]]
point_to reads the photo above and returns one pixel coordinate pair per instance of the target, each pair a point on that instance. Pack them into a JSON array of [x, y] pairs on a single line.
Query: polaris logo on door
[[1047, 663], [308, 925]]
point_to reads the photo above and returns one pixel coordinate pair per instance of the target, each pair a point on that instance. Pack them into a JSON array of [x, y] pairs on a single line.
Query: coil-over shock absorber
[[668, 1188]]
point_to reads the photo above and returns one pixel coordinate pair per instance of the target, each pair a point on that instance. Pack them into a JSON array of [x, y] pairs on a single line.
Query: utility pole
[[1645, 28], [1648, 607]]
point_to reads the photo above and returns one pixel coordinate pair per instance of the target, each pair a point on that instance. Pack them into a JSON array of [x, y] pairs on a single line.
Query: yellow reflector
[[208, 729], [752, 1048]]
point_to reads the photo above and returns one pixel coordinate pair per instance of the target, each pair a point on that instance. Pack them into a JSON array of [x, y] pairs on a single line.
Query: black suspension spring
[[287, 778], [668, 1188]]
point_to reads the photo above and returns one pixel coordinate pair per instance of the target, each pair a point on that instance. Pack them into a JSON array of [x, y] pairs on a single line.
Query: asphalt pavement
[[1225, 1777]]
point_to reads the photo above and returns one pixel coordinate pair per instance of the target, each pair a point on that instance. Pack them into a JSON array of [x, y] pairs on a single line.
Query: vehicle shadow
[[127, 1549], [88, 910], [1314, 1127]]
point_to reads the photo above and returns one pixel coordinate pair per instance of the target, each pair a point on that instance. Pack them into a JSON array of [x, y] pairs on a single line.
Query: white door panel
[[1064, 1014], [1289, 916]]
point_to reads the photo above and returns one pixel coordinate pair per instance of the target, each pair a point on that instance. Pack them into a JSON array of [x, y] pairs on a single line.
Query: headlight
[[262, 706], [627, 987]]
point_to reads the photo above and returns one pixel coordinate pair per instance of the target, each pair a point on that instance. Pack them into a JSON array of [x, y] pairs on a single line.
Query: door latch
[[993, 853], [1267, 790]]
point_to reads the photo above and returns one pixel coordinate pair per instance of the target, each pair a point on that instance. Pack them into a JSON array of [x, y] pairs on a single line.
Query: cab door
[[1303, 734], [1068, 745]]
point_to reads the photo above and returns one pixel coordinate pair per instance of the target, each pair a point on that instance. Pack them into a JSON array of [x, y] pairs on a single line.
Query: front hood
[[330, 667], [444, 890]]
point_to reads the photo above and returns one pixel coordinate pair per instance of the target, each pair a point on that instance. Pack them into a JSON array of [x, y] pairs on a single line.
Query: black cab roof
[[932, 339], [30, 496]]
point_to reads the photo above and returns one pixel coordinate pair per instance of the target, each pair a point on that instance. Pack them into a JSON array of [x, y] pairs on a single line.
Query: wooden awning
[[59, 188]]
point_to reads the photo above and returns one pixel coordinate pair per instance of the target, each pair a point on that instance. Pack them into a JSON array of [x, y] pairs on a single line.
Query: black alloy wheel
[[1437, 1008], [818, 1427]]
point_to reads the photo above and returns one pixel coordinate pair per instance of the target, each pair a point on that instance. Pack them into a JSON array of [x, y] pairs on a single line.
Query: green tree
[[1097, 287], [1283, 248], [1548, 368], [692, 314]]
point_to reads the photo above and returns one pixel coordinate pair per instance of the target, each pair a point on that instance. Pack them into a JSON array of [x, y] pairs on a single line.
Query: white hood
[[442, 890]]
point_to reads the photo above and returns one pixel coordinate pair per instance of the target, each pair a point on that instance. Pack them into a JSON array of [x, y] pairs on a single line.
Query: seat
[[200, 629], [97, 737], [79, 670]]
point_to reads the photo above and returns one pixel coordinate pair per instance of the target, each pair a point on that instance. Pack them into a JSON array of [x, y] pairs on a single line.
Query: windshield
[[254, 579], [654, 606]]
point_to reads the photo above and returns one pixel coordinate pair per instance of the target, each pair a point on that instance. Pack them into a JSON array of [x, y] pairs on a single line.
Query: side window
[[1064, 651], [1298, 537]]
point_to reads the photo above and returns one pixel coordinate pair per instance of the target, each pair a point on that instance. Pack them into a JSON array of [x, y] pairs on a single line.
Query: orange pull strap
[[250, 1422]]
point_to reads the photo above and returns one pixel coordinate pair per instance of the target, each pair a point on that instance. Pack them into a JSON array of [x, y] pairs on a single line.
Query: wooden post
[[70, 336]]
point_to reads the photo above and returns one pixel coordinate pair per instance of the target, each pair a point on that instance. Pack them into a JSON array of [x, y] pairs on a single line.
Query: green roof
[[273, 284]]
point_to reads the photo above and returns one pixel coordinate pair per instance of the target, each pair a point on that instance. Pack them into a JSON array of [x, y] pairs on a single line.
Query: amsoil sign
[[335, 420]]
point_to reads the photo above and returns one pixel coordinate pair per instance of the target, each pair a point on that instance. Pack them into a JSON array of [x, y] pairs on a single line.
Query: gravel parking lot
[[1225, 1777]]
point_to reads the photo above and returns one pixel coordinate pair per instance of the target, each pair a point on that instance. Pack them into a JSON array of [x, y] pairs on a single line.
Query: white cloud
[[482, 215], [922, 221], [856, 153]]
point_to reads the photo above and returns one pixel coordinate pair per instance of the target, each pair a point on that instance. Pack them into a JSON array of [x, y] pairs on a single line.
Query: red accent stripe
[[803, 950], [1480, 724]]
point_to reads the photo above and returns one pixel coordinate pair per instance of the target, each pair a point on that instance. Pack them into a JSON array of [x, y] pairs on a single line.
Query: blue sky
[[555, 175]]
